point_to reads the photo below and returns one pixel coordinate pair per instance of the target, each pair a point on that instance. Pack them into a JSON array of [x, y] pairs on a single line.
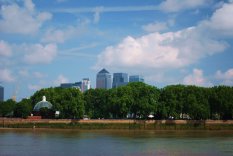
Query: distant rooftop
[[103, 71]]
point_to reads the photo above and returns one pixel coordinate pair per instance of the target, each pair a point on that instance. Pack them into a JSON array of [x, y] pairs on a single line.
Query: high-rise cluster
[[83, 85], [104, 79]]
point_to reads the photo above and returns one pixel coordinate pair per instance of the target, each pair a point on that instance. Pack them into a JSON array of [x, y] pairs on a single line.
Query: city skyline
[[46, 43], [105, 80]]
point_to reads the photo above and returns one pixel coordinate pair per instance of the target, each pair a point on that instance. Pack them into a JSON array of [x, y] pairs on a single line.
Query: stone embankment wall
[[8, 121]]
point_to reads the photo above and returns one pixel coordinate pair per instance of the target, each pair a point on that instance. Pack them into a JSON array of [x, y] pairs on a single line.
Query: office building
[[1, 93], [136, 78], [86, 84], [83, 85], [69, 85], [103, 79], [120, 79]]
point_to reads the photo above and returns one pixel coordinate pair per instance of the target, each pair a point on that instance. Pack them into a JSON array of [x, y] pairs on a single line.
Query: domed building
[[42, 104]]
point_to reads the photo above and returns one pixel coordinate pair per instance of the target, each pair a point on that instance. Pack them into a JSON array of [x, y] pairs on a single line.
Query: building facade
[[103, 79], [136, 78], [1, 93], [86, 84], [69, 85], [83, 85], [120, 79]]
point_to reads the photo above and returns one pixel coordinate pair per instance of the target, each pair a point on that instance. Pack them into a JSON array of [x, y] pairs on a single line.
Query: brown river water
[[54, 142]]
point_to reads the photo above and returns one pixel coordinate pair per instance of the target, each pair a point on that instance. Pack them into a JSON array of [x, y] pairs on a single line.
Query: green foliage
[[96, 105], [221, 102], [23, 108], [7, 108], [137, 99], [144, 99], [171, 102], [120, 101], [69, 101]]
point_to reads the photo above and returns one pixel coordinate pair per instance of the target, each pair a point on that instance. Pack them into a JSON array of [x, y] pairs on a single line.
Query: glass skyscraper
[[120, 79], [136, 78], [1, 93], [104, 79], [86, 84]]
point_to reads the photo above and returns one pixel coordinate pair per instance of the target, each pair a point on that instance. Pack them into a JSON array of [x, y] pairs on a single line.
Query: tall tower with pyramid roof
[[104, 79]]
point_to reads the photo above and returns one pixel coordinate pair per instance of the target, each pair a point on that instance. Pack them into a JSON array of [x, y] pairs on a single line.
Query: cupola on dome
[[42, 104]]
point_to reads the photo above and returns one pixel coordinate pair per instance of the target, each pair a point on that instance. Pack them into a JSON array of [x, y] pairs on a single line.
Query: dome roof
[[42, 104]]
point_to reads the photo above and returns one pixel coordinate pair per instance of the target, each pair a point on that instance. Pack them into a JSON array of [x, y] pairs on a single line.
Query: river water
[[49, 142]]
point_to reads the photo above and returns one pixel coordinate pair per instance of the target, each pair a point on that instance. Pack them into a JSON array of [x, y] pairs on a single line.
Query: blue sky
[[45, 43]]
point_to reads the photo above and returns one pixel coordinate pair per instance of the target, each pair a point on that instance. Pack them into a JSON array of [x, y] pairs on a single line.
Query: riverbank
[[118, 124]]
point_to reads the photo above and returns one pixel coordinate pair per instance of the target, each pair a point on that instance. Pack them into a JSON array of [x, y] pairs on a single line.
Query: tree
[[96, 103], [120, 100], [172, 99], [7, 108], [69, 101], [222, 102], [144, 99], [23, 108], [196, 104]]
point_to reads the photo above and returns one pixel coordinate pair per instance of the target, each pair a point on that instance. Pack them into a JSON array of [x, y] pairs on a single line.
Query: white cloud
[[107, 9], [180, 5], [60, 79], [6, 76], [220, 23], [38, 54], [155, 27], [34, 87], [77, 51], [29, 5], [56, 36], [167, 50], [5, 49], [226, 78], [167, 6], [38, 75], [25, 20], [61, 35], [196, 78], [97, 12], [24, 73]]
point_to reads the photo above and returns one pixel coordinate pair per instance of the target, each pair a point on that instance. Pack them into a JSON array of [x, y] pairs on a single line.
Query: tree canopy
[[135, 100]]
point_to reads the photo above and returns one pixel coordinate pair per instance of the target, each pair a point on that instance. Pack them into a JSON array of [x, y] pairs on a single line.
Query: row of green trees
[[136, 100]]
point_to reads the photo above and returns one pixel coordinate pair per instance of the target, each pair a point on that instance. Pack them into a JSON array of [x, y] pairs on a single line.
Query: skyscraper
[[120, 79], [86, 84], [136, 78], [1, 93], [103, 79]]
